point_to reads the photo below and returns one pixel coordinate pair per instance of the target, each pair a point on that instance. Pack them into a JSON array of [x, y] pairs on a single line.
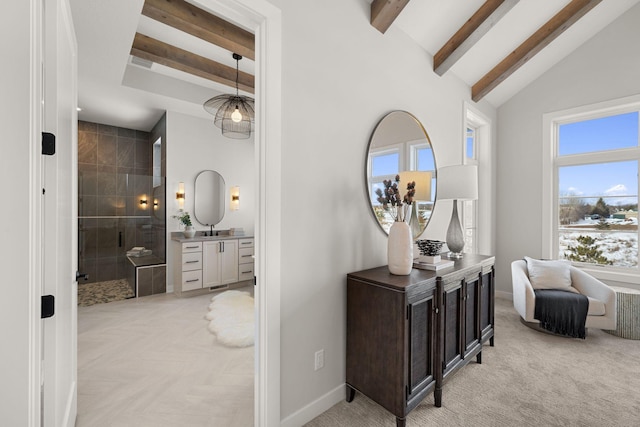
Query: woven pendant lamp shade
[[233, 114], [223, 106]]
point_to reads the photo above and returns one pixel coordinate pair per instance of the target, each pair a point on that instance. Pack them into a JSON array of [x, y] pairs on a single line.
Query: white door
[[59, 353]]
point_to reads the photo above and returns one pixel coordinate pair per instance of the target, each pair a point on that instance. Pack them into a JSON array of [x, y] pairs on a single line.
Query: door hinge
[[48, 144], [47, 308]]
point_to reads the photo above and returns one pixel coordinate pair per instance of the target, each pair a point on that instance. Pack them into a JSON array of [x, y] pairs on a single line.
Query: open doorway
[[255, 14]]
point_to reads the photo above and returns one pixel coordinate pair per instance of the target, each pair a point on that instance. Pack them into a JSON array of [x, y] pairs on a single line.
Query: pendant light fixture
[[234, 114]]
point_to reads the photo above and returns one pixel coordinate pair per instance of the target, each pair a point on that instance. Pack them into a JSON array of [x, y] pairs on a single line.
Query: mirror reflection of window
[[399, 144]]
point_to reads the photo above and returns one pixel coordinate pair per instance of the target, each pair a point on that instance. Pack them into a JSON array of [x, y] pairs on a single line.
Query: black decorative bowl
[[429, 247]]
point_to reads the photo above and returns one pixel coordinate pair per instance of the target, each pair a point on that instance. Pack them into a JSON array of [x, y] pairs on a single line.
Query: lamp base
[[455, 238], [455, 255]]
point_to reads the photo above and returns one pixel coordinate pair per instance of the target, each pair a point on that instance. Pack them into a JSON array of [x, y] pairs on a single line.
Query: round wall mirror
[[400, 147], [209, 198]]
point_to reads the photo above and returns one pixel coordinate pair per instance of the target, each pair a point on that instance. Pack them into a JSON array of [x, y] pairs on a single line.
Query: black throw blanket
[[562, 312]]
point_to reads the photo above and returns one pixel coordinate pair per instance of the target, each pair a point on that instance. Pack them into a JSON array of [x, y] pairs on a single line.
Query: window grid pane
[[601, 134], [597, 209]]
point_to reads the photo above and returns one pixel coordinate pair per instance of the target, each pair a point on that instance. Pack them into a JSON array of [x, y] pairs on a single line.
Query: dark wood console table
[[407, 335]]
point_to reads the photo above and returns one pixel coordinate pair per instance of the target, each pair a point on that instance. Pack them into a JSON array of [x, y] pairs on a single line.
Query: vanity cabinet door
[[229, 262], [211, 263], [220, 262]]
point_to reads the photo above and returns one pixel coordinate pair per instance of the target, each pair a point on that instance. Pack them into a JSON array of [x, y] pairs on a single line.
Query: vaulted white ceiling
[[114, 90]]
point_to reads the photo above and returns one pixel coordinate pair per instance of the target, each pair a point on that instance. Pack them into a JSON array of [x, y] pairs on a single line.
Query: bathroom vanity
[[206, 263]]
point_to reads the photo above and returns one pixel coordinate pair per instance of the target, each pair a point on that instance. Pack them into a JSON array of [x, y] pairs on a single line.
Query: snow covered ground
[[619, 246]]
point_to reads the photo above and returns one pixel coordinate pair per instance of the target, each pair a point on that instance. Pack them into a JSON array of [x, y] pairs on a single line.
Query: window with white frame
[[594, 161], [470, 207]]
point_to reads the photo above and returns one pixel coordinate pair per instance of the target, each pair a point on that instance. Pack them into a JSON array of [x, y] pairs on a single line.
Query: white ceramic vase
[[189, 231], [400, 249]]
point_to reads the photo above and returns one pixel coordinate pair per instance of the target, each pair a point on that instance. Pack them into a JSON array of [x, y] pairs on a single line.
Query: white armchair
[[602, 299]]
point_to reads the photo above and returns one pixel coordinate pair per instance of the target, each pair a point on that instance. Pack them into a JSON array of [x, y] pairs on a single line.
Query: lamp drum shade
[[458, 182], [423, 183]]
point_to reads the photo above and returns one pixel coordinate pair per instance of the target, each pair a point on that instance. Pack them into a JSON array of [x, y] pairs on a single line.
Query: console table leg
[[437, 397], [491, 341], [351, 393], [401, 422], [479, 358]]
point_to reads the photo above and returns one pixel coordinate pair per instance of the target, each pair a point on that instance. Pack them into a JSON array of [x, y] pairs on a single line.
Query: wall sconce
[[155, 203], [180, 195], [235, 198], [143, 202]]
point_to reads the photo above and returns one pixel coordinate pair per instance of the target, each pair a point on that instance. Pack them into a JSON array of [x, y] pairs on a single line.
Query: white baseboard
[[315, 408]]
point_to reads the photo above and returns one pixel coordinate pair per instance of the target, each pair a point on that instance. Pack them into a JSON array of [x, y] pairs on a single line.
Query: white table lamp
[[457, 183]]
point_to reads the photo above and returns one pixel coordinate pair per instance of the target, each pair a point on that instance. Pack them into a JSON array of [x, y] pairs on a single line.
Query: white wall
[[340, 77], [606, 67], [194, 145]]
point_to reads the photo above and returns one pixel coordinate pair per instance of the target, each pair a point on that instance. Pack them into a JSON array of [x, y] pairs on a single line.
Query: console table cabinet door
[[472, 316], [422, 316], [376, 325], [487, 295], [452, 317]]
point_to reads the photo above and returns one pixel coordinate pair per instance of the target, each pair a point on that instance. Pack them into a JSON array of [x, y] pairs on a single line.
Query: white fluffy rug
[[232, 318]]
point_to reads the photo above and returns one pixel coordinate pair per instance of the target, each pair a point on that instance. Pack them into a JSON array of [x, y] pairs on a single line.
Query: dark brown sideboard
[[407, 335]]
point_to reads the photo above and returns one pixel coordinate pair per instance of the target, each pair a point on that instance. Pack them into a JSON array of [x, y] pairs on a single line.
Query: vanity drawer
[[245, 272], [245, 243], [245, 255], [192, 247], [191, 261], [191, 280]]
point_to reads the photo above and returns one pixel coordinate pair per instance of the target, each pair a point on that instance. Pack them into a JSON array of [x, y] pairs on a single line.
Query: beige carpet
[[528, 379]]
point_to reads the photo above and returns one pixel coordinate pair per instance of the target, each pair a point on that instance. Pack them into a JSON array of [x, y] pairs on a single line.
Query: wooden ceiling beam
[[185, 17], [470, 33], [162, 53], [534, 44], [384, 12]]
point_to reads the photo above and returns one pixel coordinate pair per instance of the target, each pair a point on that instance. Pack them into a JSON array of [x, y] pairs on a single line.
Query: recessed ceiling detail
[[162, 53], [185, 17]]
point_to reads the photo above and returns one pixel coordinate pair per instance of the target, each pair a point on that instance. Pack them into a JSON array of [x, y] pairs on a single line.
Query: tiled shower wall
[[114, 175]]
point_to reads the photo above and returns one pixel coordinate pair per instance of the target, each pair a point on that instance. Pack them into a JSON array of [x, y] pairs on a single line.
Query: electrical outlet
[[319, 359]]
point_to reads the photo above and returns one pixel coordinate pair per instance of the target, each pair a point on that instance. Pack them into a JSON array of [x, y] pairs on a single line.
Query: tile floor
[[152, 362]]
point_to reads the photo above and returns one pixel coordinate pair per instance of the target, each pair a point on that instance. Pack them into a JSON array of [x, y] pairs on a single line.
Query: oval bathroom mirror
[[209, 198], [400, 145]]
